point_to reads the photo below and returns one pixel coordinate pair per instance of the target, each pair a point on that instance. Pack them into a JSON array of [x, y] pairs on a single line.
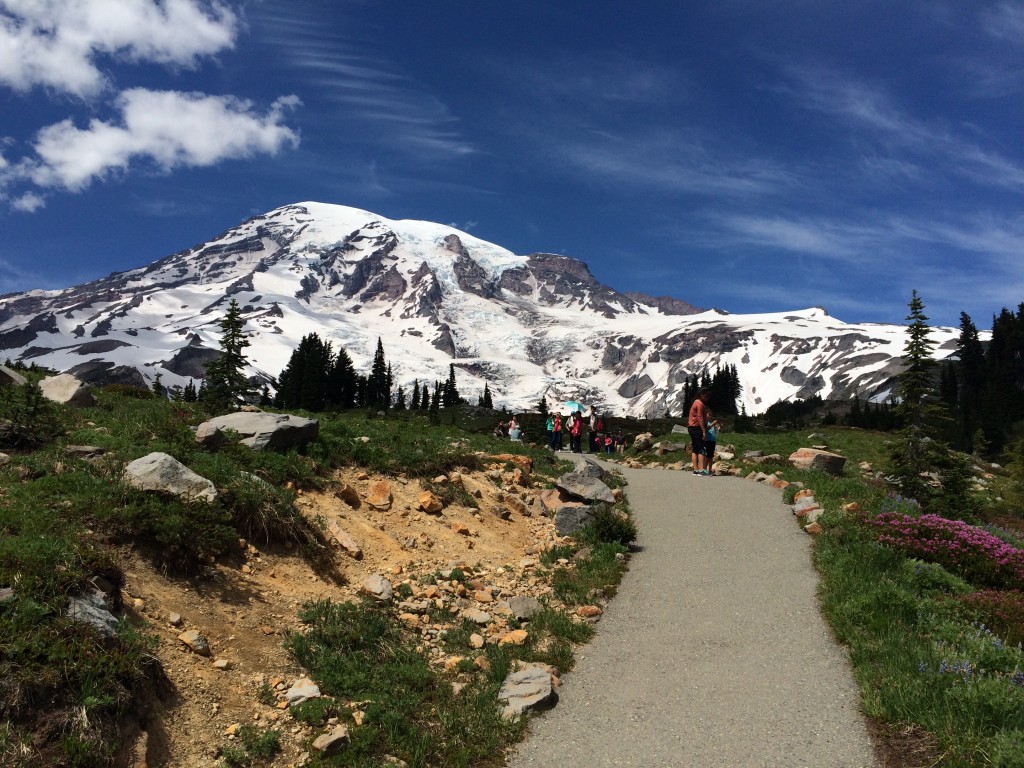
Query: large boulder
[[530, 688], [586, 488], [260, 431], [813, 458], [569, 520], [165, 474], [67, 389], [585, 465], [643, 442]]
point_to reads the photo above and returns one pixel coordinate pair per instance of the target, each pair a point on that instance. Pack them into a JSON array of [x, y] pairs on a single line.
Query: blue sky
[[748, 156]]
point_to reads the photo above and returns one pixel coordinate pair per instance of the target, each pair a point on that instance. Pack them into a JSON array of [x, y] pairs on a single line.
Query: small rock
[[332, 743], [196, 642], [378, 587], [222, 664], [302, 690], [515, 637], [174, 619]]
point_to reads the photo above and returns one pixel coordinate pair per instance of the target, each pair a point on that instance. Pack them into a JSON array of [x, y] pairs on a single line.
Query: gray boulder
[[260, 431], [530, 688], [67, 389], [379, 588], [91, 609], [524, 607], [569, 520], [162, 472], [586, 466], [586, 488]]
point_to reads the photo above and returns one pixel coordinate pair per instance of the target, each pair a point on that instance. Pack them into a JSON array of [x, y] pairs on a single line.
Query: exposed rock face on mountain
[[525, 325]]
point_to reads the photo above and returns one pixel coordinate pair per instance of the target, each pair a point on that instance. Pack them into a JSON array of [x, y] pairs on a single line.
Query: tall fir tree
[[342, 382], [970, 371], [225, 386], [415, 404], [917, 452], [378, 394]]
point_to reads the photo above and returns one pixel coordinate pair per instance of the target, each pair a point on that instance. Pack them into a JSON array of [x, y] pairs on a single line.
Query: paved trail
[[713, 654]]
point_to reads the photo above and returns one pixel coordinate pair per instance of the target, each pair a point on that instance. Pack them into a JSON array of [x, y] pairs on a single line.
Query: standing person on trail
[[698, 428], [710, 439], [549, 427], [594, 448], [576, 432], [556, 433]]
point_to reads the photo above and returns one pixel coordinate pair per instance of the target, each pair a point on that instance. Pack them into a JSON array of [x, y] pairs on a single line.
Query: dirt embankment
[[245, 604]]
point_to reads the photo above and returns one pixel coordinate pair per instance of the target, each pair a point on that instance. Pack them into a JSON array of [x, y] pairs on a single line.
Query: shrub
[[1002, 611], [27, 419], [609, 526], [965, 549]]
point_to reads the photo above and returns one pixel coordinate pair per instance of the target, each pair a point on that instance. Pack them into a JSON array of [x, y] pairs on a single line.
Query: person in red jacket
[[697, 426]]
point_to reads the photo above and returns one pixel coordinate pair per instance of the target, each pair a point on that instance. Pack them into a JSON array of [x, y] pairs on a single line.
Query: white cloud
[[167, 128], [56, 43], [30, 202]]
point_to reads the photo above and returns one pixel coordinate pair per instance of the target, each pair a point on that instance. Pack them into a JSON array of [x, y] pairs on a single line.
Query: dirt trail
[[714, 652]]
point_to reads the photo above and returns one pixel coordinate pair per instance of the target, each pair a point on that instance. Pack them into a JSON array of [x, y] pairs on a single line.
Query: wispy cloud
[[56, 43], [669, 161], [1005, 21], [380, 104], [859, 105], [166, 129]]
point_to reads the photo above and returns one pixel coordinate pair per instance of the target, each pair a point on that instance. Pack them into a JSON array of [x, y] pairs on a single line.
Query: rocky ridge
[[526, 326]]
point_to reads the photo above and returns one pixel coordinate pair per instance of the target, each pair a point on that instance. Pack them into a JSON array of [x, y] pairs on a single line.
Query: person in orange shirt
[[697, 426]]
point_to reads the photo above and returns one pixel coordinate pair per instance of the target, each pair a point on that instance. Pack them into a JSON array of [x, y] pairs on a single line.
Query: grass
[[67, 690]]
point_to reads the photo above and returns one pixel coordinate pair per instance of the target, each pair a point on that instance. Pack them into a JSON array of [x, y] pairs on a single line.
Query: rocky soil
[[245, 605]]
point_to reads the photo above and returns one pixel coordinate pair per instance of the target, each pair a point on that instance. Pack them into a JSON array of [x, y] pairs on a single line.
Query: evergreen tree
[[451, 396], [400, 399], [225, 386], [1003, 400], [425, 400], [265, 398], [189, 394], [917, 451], [304, 381], [158, 387], [437, 400], [970, 383], [342, 382], [378, 391], [415, 404]]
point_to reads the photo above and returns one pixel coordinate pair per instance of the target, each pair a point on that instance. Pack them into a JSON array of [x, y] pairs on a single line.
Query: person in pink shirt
[[697, 426]]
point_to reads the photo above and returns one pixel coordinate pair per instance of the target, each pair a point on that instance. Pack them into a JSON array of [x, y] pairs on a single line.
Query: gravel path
[[714, 652]]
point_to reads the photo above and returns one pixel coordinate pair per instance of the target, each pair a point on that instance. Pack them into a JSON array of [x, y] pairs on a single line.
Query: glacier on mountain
[[527, 326]]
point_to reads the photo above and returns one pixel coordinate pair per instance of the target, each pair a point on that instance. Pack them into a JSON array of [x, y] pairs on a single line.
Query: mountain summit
[[526, 325]]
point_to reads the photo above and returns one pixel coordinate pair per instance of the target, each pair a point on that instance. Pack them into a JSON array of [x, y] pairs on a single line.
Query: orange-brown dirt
[[245, 604]]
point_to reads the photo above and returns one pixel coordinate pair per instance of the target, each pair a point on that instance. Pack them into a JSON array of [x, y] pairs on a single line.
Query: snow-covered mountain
[[526, 325]]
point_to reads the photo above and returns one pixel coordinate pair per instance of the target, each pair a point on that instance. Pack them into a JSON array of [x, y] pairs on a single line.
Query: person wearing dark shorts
[[697, 427]]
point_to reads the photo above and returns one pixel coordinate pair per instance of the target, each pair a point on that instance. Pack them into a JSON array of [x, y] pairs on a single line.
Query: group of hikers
[[701, 425], [601, 437]]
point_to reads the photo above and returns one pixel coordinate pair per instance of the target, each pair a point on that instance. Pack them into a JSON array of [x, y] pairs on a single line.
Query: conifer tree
[[450, 394], [425, 398], [304, 381], [225, 386], [415, 404], [342, 382], [400, 399], [378, 392], [917, 451]]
